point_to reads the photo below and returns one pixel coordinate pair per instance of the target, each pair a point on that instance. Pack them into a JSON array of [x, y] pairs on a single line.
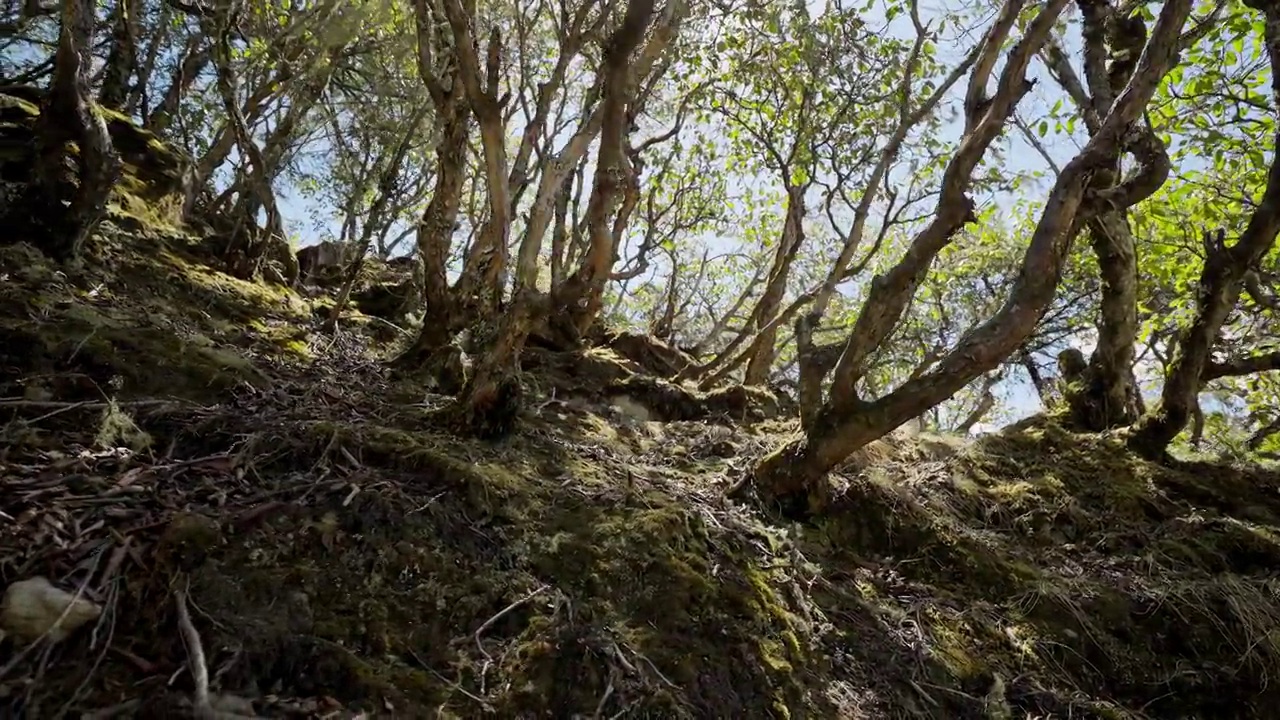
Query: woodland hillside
[[650, 359], [181, 443]]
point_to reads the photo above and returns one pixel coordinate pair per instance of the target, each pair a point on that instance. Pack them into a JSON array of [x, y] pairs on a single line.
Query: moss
[[588, 566]]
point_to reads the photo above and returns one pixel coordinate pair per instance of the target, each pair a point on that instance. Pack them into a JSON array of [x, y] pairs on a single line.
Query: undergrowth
[[167, 428]]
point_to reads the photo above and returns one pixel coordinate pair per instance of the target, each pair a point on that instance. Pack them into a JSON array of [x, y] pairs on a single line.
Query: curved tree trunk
[[763, 347], [845, 423], [436, 228], [248, 246], [445, 311], [194, 59], [1108, 394]]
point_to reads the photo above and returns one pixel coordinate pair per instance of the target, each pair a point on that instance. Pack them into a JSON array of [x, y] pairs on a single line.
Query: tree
[[1221, 282], [846, 422], [68, 116]]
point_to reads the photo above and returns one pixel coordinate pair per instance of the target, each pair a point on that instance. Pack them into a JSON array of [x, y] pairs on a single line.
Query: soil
[[168, 431]]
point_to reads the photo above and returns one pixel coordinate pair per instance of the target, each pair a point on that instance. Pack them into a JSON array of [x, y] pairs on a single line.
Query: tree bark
[[763, 347], [488, 404], [137, 103], [1220, 285], [123, 57], [66, 117], [581, 295], [444, 312], [1109, 396], [194, 59], [792, 476]]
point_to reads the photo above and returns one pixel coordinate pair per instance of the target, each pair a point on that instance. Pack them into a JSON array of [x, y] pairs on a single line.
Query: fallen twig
[[489, 623], [195, 653], [201, 706]]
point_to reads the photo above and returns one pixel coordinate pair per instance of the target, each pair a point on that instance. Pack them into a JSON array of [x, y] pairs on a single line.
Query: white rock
[[31, 608]]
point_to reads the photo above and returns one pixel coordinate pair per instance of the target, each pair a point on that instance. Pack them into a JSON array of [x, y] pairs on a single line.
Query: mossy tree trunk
[[846, 422], [1220, 285], [68, 117]]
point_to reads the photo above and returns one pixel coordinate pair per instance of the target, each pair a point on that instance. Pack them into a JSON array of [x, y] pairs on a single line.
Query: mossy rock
[[155, 176]]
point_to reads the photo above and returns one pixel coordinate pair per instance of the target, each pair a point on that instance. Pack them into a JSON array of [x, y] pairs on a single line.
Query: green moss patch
[[345, 552]]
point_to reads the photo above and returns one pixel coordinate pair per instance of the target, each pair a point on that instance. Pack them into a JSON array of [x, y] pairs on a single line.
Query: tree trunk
[[194, 60], [68, 117], [123, 57], [1221, 282], [580, 297], [138, 102], [434, 234], [763, 347], [1109, 396], [491, 398], [793, 475], [435, 231], [490, 403], [248, 244], [375, 216]]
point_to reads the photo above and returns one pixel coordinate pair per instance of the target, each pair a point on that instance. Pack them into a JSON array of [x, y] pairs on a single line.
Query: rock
[[34, 608]]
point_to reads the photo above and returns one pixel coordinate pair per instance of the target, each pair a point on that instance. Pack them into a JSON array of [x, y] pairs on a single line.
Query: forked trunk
[[67, 117], [1221, 282], [846, 422]]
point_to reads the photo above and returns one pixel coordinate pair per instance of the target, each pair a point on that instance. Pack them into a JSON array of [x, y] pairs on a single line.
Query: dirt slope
[[167, 429]]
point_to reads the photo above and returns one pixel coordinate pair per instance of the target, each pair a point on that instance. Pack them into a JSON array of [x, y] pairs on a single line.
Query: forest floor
[[167, 430]]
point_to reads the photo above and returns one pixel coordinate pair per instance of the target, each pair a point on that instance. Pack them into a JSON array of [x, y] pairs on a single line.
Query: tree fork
[[68, 116], [846, 422], [1221, 282]]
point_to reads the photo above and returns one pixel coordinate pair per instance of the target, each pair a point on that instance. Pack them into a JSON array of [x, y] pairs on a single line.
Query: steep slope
[[167, 429]]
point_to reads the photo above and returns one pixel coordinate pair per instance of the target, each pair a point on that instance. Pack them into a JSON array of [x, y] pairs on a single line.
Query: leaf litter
[[305, 540]]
